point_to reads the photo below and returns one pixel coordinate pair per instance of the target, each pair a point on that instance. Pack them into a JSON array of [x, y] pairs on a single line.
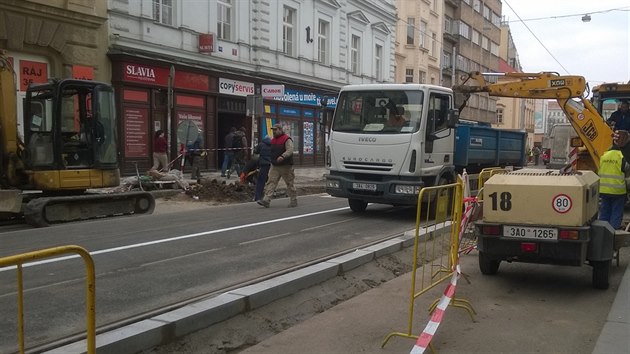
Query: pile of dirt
[[218, 191], [221, 191]]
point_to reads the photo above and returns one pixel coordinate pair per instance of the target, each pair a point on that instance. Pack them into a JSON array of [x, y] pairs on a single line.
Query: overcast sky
[[599, 50]]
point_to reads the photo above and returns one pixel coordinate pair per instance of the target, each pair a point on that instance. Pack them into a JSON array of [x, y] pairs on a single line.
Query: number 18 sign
[[561, 203]]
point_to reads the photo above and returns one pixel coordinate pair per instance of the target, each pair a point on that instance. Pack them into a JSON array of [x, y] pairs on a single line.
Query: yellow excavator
[[546, 216], [69, 146], [568, 91]]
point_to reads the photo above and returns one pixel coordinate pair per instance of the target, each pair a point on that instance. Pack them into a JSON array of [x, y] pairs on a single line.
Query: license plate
[[364, 186], [530, 233]]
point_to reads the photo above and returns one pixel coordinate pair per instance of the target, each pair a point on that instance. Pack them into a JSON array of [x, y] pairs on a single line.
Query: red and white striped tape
[[423, 341], [436, 318]]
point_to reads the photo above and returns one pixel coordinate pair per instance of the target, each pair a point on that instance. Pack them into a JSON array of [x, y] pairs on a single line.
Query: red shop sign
[[32, 71], [206, 43]]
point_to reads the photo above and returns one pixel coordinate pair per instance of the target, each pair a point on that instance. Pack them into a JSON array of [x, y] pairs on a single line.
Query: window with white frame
[[422, 77], [409, 75], [494, 48], [355, 54], [487, 13], [446, 60], [224, 19], [484, 42], [163, 11], [499, 115], [475, 37], [496, 19], [464, 30], [423, 34], [288, 31], [323, 33], [411, 29], [378, 62], [448, 25], [477, 5]]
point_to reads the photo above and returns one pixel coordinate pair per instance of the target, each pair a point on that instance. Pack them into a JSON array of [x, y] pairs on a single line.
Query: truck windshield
[[378, 111]]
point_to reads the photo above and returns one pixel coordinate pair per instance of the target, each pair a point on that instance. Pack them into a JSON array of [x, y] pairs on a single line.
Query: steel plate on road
[[530, 233], [364, 186]]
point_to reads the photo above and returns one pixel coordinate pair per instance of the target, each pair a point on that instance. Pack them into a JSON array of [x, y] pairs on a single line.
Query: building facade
[[60, 39], [418, 41], [476, 49], [174, 62]]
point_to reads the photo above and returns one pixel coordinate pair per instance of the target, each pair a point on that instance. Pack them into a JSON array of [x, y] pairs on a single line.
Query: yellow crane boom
[[568, 91]]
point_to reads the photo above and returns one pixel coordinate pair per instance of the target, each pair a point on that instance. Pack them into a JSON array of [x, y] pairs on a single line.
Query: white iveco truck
[[388, 141]]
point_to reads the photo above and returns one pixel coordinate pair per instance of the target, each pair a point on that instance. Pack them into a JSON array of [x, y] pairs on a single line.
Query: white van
[[560, 145]]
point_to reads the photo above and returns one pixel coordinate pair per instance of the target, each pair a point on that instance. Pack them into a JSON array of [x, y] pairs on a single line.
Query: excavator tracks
[[45, 211]]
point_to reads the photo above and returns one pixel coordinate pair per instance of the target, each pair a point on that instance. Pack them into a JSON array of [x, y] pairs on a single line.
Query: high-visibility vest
[[611, 176]]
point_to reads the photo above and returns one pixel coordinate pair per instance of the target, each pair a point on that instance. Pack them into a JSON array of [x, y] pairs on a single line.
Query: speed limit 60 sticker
[[561, 203]]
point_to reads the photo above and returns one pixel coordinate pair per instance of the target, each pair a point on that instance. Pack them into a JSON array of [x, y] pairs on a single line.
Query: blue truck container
[[478, 146]]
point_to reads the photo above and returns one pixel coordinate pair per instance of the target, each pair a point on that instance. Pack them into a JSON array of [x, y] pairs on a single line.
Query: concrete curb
[[615, 335], [187, 319]]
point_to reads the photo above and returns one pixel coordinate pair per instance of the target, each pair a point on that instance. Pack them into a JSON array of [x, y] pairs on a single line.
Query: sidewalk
[[359, 325]]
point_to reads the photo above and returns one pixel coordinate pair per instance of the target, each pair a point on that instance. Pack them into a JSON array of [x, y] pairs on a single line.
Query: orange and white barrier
[[436, 318]]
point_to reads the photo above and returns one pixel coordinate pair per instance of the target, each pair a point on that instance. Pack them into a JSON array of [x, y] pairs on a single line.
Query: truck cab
[[388, 141]]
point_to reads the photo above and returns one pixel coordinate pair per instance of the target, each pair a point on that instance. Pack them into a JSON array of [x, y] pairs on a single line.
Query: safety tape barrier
[[439, 258], [424, 340]]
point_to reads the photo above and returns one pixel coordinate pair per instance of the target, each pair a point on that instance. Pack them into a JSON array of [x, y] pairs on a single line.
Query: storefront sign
[[290, 111], [302, 97], [192, 81], [235, 87], [206, 43], [32, 72], [269, 91], [81, 72], [136, 124], [193, 116], [145, 74], [155, 75], [308, 113]]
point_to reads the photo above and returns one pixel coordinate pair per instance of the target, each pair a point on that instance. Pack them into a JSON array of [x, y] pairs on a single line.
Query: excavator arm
[[568, 91]]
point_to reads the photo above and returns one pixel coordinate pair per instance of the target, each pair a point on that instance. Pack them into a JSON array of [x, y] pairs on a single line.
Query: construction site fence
[[20, 259], [436, 243]]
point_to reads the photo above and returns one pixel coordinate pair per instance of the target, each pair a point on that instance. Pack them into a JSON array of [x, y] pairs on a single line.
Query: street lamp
[[586, 18]]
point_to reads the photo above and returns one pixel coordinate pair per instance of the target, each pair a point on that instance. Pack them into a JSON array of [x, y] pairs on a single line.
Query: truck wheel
[[356, 205], [600, 274], [487, 265]]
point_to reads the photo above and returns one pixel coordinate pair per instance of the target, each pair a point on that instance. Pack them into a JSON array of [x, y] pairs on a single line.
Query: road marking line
[[182, 256], [264, 239], [176, 238], [332, 223]]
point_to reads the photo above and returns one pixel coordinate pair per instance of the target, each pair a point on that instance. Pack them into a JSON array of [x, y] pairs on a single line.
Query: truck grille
[[368, 166]]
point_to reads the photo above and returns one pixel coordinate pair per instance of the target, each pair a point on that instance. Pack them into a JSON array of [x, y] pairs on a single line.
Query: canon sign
[[272, 90]]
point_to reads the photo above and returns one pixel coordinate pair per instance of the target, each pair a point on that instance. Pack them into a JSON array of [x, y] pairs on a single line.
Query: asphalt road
[[149, 262]]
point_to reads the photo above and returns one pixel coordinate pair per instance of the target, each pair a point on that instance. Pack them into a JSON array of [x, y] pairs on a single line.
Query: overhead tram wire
[[626, 8], [537, 39]]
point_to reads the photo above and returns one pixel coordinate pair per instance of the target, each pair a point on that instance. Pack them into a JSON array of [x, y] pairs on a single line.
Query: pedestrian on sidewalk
[[263, 149], [228, 154], [194, 152], [239, 144], [281, 167], [160, 147]]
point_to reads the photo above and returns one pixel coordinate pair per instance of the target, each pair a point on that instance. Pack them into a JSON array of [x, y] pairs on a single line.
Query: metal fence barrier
[[435, 259], [90, 281]]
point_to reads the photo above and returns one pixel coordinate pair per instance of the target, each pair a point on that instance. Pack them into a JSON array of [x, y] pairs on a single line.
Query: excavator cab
[[70, 136]]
